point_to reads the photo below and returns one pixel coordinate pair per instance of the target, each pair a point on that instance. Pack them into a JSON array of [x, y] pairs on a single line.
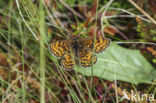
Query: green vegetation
[[30, 74]]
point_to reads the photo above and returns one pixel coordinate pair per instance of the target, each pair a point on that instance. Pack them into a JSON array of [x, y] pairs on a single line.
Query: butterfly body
[[78, 51]]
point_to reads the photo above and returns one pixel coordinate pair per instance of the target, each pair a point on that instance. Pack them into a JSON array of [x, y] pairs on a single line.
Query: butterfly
[[80, 52]]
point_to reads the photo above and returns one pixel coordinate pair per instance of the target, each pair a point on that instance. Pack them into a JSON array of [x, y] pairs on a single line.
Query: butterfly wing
[[87, 58], [85, 51], [59, 48], [67, 62], [86, 43], [101, 43]]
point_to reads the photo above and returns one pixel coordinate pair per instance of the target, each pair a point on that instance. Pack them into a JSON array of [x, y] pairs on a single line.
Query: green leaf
[[118, 63]]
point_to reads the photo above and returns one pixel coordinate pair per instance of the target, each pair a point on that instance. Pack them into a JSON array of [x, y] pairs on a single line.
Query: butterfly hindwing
[[87, 58], [67, 62]]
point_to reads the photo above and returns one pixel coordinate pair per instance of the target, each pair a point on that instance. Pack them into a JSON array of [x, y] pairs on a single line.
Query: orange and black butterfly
[[79, 52]]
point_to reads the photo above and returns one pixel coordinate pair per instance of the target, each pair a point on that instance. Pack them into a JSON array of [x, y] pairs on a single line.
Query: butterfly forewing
[[101, 43], [86, 43], [59, 48]]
